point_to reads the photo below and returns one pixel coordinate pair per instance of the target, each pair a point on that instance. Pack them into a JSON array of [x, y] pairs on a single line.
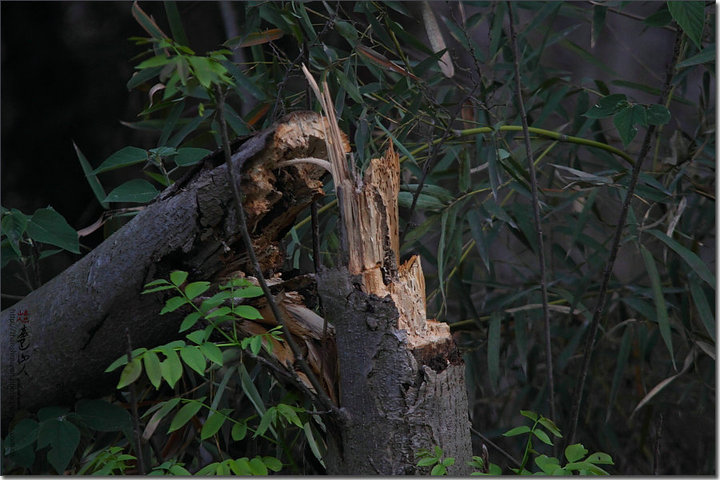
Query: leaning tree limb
[[57, 341]]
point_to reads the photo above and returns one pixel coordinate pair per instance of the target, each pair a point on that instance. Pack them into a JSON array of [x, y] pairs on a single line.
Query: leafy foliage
[[465, 201], [578, 460]]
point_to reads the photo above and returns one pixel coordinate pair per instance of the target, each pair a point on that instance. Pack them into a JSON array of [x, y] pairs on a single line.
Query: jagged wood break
[[401, 379]]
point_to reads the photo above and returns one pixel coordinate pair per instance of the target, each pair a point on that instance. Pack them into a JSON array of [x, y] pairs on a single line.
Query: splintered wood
[[369, 211], [373, 243]]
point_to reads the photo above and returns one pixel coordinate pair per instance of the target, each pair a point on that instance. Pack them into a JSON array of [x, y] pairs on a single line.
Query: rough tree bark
[[57, 341], [401, 379]]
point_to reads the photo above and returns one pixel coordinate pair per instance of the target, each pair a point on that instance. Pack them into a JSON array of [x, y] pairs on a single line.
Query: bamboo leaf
[[702, 306], [695, 263], [660, 308], [658, 388], [92, 179]]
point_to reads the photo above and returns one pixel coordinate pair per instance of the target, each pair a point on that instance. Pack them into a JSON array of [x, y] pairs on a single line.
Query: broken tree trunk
[[401, 379], [57, 341]]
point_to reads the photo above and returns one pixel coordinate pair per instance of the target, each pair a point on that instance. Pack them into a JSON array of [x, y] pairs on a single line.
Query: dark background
[[65, 66]]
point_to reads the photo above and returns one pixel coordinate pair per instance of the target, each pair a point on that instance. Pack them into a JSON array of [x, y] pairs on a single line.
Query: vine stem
[[536, 214], [600, 305], [234, 180]]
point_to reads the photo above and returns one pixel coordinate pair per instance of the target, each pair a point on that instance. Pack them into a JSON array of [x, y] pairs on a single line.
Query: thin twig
[[233, 178], [536, 215], [602, 294], [135, 418], [496, 447]]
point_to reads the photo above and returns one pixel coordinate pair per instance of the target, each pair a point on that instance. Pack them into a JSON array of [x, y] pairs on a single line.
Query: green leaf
[[212, 352], [690, 15], [606, 106], [247, 311], [427, 461], [13, 226], [188, 411], [63, 438], [493, 349], [600, 458], [575, 452], [347, 31], [152, 368], [272, 463], [171, 368], [289, 413], [198, 336], [438, 470], [660, 308], [695, 263], [307, 429], [542, 436], [657, 115], [92, 179], [257, 466], [176, 26], [530, 414], [517, 431], [194, 289], [48, 226], [187, 156], [213, 423], [220, 312], [625, 121], [178, 277], [256, 344], [156, 61], [702, 306], [550, 425], [202, 70], [122, 158], [267, 420], [24, 433], [172, 304], [660, 18], [707, 55], [240, 467], [239, 430], [548, 465], [130, 373], [190, 320], [193, 358], [133, 191], [103, 416]]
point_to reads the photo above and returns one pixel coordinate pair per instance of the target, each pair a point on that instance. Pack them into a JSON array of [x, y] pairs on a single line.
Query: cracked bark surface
[[57, 341]]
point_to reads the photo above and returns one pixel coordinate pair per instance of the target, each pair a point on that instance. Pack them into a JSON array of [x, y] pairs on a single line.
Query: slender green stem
[[560, 137]]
